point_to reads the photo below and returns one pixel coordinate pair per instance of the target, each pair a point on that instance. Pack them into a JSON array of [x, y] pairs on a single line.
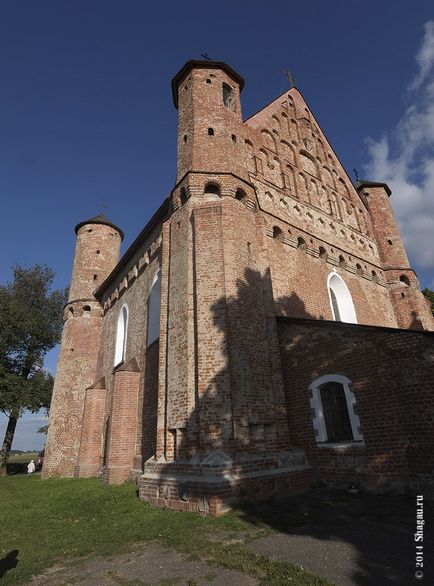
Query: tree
[[30, 326], [430, 296]]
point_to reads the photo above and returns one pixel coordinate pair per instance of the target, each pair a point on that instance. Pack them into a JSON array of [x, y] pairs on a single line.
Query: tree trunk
[[7, 442]]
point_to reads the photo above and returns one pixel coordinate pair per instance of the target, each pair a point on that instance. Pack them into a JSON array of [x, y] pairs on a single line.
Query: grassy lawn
[[63, 519]]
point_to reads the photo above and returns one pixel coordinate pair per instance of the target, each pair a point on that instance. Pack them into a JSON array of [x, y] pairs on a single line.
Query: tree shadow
[[9, 562], [239, 412]]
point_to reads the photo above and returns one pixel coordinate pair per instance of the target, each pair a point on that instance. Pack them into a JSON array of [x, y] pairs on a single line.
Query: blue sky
[[86, 114]]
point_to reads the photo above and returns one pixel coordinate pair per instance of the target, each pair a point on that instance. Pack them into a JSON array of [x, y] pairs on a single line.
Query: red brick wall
[[92, 430], [392, 374], [121, 441]]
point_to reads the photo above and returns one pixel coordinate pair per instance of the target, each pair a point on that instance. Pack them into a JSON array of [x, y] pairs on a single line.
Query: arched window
[[340, 300], [121, 335], [334, 404], [154, 309], [228, 97]]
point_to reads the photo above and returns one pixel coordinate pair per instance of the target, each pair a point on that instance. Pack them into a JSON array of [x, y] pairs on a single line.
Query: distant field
[[17, 463], [23, 458]]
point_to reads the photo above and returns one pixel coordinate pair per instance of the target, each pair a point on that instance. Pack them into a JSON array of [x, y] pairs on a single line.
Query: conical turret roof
[[99, 219]]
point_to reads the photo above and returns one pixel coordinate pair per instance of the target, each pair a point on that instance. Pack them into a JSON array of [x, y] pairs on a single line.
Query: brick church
[[263, 332]]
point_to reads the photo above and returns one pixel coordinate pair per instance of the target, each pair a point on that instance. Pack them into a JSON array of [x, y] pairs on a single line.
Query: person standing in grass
[[31, 468]]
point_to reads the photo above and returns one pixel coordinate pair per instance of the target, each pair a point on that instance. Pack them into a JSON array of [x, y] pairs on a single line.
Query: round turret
[[96, 255]]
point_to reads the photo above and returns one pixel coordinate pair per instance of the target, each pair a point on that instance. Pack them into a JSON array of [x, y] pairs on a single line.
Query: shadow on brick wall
[[360, 538]]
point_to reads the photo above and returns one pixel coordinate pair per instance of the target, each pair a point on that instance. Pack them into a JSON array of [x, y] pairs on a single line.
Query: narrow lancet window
[[228, 97], [121, 335], [154, 309]]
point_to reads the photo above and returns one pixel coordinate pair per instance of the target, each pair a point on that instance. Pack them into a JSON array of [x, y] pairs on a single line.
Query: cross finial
[[356, 173], [103, 208], [206, 56], [291, 79]]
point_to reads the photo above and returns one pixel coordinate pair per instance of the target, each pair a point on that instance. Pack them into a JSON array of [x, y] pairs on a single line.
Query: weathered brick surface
[[262, 213], [96, 254], [392, 376], [92, 432], [122, 432]]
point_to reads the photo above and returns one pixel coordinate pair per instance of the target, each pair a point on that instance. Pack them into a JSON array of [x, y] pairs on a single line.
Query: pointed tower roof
[[100, 219]]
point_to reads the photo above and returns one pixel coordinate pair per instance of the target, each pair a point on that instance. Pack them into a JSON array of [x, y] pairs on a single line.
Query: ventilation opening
[[301, 243], [374, 276], [95, 277], [212, 190], [183, 195], [322, 253], [389, 241], [98, 251], [277, 233], [234, 138], [359, 270], [86, 308], [208, 80], [240, 195], [404, 280], [210, 131], [185, 138], [342, 262]]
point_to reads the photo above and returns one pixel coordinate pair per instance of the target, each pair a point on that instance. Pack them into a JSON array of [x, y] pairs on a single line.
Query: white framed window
[[341, 301], [154, 301], [335, 420], [121, 335]]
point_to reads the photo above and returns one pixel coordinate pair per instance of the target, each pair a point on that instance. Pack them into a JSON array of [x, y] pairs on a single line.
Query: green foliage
[[430, 296], [30, 326]]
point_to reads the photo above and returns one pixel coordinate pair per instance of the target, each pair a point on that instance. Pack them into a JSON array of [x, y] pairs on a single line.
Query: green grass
[[62, 519]]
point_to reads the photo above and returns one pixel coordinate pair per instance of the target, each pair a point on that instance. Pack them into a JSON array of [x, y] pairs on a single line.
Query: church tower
[[211, 149], [411, 308], [96, 254], [222, 410]]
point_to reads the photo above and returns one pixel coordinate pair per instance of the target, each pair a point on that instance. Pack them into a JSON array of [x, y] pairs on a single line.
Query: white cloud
[[425, 56], [404, 158]]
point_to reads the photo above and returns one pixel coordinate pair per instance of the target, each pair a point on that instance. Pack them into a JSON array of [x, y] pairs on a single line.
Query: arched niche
[[212, 191], [268, 140], [341, 301], [308, 164]]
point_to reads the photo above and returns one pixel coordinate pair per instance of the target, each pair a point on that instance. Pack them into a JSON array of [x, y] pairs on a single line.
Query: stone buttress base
[[218, 483]]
